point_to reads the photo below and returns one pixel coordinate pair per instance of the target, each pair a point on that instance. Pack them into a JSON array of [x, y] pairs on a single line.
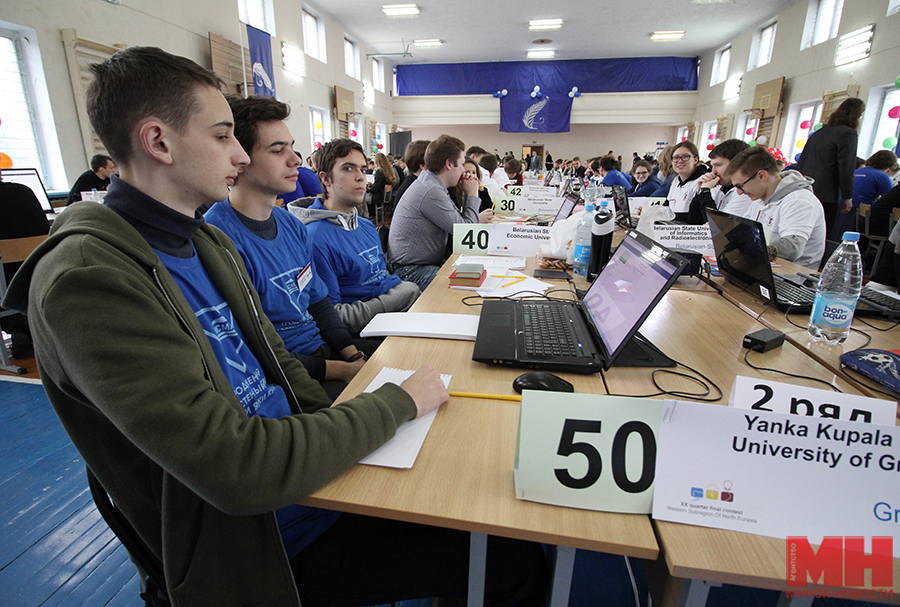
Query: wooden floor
[[55, 549]]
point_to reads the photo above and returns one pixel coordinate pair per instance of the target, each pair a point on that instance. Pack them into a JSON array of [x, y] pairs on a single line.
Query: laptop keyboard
[[547, 331], [788, 291], [891, 303]]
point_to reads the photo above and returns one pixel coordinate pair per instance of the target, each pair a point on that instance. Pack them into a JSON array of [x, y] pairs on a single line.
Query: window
[[313, 36], [682, 134], [747, 128], [257, 13], [886, 127], [355, 130], [378, 74], [804, 117], [351, 58], [720, 66], [893, 7], [709, 137], [18, 138], [761, 53], [822, 21], [319, 126], [381, 138]]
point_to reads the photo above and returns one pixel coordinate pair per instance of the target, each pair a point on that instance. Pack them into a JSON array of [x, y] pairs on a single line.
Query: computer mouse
[[540, 380]]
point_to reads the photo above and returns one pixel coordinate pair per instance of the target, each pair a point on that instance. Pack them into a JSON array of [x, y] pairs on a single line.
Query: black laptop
[[565, 209], [592, 334], [32, 180], [623, 212]]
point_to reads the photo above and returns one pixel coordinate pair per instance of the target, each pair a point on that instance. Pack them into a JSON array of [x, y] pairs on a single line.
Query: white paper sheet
[[402, 450], [493, 261], [420, 324]]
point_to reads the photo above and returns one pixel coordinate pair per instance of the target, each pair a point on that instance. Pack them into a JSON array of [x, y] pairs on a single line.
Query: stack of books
[[468, 275]]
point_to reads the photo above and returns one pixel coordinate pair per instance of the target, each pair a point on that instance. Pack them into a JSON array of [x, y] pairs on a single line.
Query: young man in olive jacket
[[179, 394]]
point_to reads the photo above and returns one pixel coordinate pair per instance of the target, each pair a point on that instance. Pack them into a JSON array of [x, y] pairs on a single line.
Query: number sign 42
[[587, 451]]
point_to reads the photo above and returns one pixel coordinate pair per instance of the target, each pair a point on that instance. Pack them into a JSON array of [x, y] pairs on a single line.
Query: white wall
[[183, 28], [584, 140], [810, 72]]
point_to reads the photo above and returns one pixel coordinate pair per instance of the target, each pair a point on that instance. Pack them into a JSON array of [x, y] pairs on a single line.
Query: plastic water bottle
[[583, 240], [601, 239], [837, 293]]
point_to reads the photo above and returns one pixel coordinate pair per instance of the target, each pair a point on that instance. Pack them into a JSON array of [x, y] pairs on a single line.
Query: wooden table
[[463, 477]]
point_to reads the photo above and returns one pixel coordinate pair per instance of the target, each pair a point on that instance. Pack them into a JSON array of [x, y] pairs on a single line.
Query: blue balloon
[[578, 93], [378, 137], [797, 157]]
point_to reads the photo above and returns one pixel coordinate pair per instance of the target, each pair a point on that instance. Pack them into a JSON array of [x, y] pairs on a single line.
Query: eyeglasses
[[740, 186], [641, 173], [681, 158]]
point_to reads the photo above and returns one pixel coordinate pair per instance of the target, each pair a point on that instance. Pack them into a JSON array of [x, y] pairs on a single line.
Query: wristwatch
[[359, 354]]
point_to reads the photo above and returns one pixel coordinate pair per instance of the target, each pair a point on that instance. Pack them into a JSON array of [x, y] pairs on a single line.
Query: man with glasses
[[715, 189], [645, 182], [784, 203]]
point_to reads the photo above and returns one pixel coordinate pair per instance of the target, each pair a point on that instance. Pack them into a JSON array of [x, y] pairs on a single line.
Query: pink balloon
[[710, 146], [806, 124], [712, 136], [353, 133], [318, 144], [380, 146], [684, 138], [894, 112], [750, 131]]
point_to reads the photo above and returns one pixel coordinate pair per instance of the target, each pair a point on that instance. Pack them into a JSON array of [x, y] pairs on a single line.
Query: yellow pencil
[[503, 276], [512, 282], [514, 397]]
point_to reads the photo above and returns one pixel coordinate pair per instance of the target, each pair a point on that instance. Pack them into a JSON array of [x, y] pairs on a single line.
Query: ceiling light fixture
[[400, 10], [541, 54], [430, 43], [667, 36], [545, 24]]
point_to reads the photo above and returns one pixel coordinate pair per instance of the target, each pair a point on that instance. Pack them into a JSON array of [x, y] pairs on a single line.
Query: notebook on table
[[591, 334]]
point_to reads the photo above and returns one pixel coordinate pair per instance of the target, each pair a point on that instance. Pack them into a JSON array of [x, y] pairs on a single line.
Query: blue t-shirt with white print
[[350, 263], [282, 271], [299, 525]]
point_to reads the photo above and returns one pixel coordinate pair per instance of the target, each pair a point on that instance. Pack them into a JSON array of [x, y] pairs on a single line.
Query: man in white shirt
[[784, 203], [715, 189]]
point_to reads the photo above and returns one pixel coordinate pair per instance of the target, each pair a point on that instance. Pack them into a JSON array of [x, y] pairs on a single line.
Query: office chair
[[150, 568], [865, 214], [13, 250]]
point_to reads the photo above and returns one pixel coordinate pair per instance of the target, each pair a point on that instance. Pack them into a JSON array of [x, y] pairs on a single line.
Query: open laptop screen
[[31, 179], [635, 277], [566, 207], [740, 249]]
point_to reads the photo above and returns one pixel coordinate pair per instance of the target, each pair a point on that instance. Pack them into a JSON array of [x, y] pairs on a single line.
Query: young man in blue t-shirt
[[347, 249], [277, 250]]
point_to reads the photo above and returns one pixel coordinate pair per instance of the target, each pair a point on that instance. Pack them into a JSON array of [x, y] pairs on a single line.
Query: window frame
[[323, 135], [378, 74], [314, 44], [796, 117], [813, 29], [263, 17], [758, 47], [351, 58], [720, 70], [882, 119]]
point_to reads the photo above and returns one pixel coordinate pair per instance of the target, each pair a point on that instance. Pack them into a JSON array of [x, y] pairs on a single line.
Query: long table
[[463, 477]]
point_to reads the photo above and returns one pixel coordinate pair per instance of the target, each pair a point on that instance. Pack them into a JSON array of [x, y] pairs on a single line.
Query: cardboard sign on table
[[499, 239]]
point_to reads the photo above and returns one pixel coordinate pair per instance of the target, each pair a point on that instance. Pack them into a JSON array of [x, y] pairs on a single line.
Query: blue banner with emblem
[[261, 58], [523, 113]]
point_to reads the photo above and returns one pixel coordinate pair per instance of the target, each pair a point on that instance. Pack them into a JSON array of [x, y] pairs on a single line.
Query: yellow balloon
[[801, 143], [5, 161], [318, 126]]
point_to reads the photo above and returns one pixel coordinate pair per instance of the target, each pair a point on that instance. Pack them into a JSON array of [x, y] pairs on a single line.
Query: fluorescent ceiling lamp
[[545, 24], [541, 54], [667, 36], [400, 10], [854, 45], [431, 43]]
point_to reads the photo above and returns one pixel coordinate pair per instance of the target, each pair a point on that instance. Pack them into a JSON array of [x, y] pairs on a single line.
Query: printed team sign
[[688, 237], [776, 475], [587, 451], [499, 239]]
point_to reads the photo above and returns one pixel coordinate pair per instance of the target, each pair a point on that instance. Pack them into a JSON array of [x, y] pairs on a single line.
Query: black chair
[[383, 234], [830, 246], [150, 568]]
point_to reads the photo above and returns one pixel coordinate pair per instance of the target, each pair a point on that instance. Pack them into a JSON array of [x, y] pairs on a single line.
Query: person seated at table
[[385, 174], [496, 173], [644, 182], [424, 218], [487, 168], [577, 169], [97, 178], [714, 189], [869, 183], [277, 250], [605, 167], [882, 209], [346, 247], [688, 168], [513, 169], [414, 156], [307, 185], [664, 172], [476, 153], [459, 197], [782, 202]]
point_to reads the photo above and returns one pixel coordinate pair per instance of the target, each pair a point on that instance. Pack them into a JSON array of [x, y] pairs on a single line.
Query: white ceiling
[[498, 30]]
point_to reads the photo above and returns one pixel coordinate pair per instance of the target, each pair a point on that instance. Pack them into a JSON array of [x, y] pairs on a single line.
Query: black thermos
[[601, 241]]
